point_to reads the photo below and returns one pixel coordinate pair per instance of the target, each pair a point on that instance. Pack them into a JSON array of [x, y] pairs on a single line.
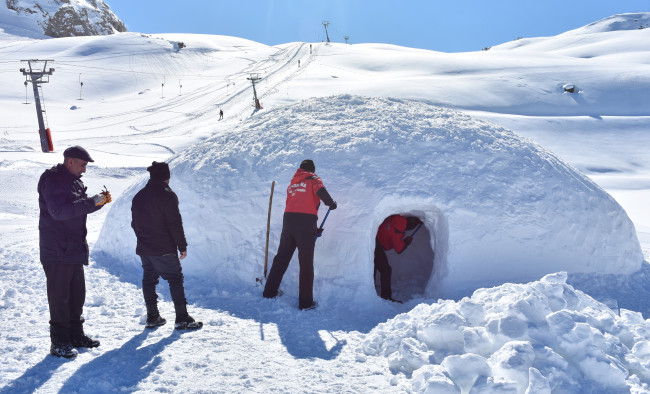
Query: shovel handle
[[416, 230], [324, 219]]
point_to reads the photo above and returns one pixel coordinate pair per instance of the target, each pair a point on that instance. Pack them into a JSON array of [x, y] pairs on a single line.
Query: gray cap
[[77, 152]]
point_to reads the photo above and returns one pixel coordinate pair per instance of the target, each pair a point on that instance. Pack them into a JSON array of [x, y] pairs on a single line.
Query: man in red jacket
[[391, 236], [299, 230]]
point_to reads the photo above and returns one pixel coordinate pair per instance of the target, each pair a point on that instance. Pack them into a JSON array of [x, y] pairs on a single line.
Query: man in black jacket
[[64, 206], [158, 226]]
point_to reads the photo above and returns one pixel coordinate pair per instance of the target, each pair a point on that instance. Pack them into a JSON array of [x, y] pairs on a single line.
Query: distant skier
[[64, 207], [158, 226], [220, 114], [391, 236], [299, 230]]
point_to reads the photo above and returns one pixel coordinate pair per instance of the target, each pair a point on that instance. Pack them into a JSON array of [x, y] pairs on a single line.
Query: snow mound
[[496, 207], [539, 337]]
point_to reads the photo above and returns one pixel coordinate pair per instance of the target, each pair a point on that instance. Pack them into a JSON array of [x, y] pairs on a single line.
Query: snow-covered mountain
[[58, 18], [514, 176], [630, 21]]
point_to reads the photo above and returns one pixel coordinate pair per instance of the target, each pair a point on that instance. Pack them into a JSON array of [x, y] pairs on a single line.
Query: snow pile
[[539, 337], [496, 207]]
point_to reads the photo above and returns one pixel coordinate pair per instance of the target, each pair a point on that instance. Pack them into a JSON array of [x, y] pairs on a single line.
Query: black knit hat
[[308, 165], [78, 152], [159, 171]]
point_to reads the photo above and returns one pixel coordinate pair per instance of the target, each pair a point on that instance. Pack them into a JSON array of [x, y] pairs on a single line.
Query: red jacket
[[391, 231], [301, 193]]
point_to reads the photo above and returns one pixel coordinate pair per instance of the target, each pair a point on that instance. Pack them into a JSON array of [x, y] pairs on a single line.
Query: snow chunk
[[584, 347]]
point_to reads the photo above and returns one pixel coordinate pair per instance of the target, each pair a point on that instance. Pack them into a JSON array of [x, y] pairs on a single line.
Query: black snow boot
[[84, 340], [153, 317], [63, 349], [311, 306], [155, 322], [183, 320], [280, 293]]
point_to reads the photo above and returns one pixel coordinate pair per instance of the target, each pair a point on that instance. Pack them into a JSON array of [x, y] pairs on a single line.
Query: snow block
[[497, 208]]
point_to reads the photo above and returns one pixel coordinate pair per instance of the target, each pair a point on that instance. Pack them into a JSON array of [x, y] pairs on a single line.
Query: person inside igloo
[[392, 235]]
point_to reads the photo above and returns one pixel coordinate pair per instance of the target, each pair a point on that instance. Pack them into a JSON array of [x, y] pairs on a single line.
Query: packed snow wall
[[496, 207]]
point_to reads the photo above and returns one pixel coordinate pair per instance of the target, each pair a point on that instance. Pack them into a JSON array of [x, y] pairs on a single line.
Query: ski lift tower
[[253, 78], [37, 77], [326, 23]]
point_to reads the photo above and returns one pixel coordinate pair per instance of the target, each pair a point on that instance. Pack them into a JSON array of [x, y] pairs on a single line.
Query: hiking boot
[[391, 299], [60, 349], [278, 294], [84, 340], [153, 322], [309, 307], [187, 323]]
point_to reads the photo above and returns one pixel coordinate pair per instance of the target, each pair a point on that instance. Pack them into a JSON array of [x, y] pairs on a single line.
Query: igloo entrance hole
[[411, 269]]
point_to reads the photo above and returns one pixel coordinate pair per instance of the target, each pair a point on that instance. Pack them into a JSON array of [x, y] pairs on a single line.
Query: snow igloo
[[496, 208]]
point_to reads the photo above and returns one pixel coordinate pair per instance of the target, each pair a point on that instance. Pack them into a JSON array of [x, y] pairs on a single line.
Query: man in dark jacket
[[158, 226], [390, 235], [299, 230], [64, 206]]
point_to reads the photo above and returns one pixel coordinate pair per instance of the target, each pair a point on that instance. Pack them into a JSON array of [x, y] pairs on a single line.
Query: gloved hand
[[108, 196], [333, 206], [319, 232], [407, 241], [102, 197]]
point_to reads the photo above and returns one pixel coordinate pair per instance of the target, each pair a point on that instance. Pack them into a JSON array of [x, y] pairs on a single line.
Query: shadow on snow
[[305, 334]]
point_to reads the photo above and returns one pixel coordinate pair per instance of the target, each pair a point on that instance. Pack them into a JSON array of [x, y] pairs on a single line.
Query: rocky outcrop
[[67, 18]]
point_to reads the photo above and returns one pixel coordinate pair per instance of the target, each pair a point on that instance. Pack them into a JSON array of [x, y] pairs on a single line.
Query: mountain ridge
[[59, 18]]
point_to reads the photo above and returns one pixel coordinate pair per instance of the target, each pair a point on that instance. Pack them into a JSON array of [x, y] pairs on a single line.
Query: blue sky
[[448, 26]]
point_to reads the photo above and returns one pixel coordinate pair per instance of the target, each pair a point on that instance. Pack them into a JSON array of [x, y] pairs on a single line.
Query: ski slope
[[144, 99]]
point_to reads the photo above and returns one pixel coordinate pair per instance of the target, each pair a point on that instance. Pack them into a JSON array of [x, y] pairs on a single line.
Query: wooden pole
[[268, 230]]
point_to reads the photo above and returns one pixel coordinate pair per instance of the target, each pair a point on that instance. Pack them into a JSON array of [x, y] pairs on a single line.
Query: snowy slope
[[145, 99]]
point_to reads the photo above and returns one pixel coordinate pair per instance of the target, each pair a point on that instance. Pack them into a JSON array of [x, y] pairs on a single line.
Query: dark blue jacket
[[64, 206], [156, 220]]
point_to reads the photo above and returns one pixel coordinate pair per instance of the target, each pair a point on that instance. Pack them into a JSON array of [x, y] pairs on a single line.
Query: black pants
[[169, 268], [384, 269], [298, 231], [66, 294]]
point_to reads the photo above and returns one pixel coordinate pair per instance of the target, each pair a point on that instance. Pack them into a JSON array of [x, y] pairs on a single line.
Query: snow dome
[[496, 208]]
